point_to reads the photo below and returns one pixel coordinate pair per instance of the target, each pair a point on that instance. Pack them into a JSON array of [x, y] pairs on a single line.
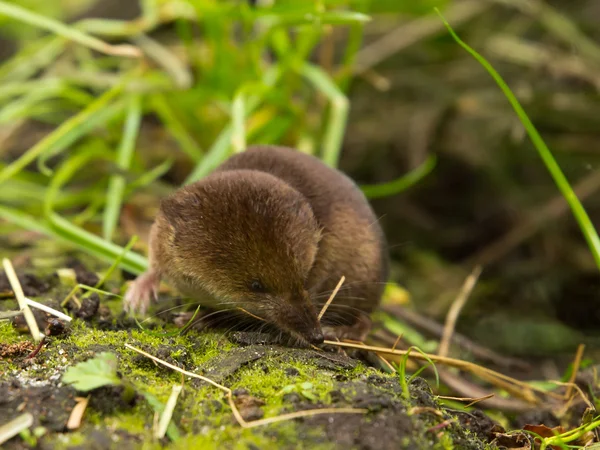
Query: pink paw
[[141, 293]]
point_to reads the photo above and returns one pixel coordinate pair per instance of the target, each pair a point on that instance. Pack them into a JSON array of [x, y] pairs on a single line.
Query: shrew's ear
[[181, 206]]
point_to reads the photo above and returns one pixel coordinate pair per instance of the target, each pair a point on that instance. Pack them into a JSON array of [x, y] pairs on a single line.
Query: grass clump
[[214, 77]]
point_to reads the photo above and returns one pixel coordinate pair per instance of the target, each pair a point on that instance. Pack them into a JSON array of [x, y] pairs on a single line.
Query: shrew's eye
[[257, 286]]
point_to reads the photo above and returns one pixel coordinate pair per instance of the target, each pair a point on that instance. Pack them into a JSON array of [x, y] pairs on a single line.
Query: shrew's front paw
[[141, 293]]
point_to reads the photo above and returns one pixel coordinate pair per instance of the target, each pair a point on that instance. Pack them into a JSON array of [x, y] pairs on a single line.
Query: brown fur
[[282, 218]]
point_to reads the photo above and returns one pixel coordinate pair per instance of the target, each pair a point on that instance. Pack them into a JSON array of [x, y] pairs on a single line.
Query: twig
[[578, 389], [576, 365], [252, 315], [18, 290], [5, 315], [396, 341], [331, 297], [34, 353], [386, 363], [456, 308], [32, 18], [471, 400], [15, 426], [430, 326], [167, 59], [512, 385], [299, 414], [47, 309], [465, 388], [441, 425]]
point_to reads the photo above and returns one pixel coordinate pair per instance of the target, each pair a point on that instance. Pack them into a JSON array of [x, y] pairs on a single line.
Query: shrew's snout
[[308, 326], [315, 336], [301, 319]]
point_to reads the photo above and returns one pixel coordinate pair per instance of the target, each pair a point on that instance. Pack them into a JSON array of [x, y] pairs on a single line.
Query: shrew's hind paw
[[141, 293]]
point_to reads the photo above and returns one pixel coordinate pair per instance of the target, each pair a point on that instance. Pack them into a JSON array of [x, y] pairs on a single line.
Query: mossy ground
[[268, 380]]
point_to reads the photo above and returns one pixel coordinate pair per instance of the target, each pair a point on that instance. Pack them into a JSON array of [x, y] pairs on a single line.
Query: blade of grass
[[78, 236], [581, 216], [15, 426], [238, 122], [94, 119], [313, 18], [53, 88], [215, 155], [98, 202], [63, 135], [187, 143], [18, 291], [24, 220], [27, 194], [107, 251], [167, 414], [172, 431], [221, 147], [116, 185], [73, 34], [149, 176], [116, 262], [31, 59], [338, 114], [165, 58], [401, 184]]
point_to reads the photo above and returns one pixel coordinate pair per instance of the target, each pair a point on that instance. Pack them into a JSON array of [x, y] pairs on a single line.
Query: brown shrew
[[272, 231]]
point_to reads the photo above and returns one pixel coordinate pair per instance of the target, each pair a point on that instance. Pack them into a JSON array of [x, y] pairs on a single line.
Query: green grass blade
[[182, 136], [149, 177], [587, 228], [116, 262], [31, 59], [27, 194], [165, 58], [67, 233], [238, 122], [78, 236], [36, 20], [56, 140], [24, 220], [401, 184], [116, 185], [95, 245], [53, 88], [313, 18], [215, 155], [96, 118], [221, 148], [338, 114]]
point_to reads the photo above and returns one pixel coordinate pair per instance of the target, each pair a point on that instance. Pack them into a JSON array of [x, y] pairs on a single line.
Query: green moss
[[202, 414], [8, 334]]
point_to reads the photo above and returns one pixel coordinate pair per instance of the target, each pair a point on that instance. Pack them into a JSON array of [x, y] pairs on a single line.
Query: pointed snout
[[315, 337]]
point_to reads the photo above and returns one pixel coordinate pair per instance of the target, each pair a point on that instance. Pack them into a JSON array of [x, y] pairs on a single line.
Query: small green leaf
[[93, 373], [287, 389], [309, 395]]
